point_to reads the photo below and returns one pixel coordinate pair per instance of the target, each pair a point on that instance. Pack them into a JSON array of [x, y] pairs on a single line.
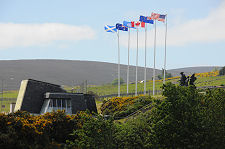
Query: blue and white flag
[[111, 29], [146, 19], [121, 27], [128, 24]]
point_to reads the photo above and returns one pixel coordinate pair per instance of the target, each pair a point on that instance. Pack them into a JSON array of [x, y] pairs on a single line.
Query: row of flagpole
[[126, 27]]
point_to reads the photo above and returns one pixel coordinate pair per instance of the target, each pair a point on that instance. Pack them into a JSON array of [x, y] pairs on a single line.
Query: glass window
[[54, 103], [64, 103], [68, 103], [51, 103], [59, 103]]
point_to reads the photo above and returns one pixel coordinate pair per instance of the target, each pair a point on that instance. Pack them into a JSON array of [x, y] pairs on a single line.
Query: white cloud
[[206, 30], [24, 35]]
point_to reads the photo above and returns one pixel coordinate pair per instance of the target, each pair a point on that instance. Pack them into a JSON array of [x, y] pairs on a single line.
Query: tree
[[115, 81], [187, 119], [222, 71]]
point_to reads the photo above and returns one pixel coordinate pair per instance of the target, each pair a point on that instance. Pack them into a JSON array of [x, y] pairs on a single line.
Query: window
[[57, 104]]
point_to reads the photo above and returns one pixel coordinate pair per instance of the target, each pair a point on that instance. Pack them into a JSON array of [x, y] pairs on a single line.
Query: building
[[39, 97]]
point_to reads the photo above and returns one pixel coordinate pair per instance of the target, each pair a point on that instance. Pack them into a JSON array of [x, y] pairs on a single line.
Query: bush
[[187, 119], [93, 132], [115, 81], [123, 106]]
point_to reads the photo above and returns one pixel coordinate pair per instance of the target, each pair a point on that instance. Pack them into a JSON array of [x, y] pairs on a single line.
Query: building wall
[[31, 95]]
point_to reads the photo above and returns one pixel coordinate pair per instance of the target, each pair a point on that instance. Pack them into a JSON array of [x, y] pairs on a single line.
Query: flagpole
[[128, 61], [145, 59], [118, 65], [136, 64], [164, 78], [154, 61]]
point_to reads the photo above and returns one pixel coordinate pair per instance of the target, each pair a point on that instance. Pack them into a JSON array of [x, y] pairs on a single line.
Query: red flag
[[142, 24], [132, 23], [137, 24]]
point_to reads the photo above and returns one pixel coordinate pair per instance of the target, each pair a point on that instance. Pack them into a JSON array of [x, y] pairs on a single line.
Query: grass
[[10, 94], [111, 89]]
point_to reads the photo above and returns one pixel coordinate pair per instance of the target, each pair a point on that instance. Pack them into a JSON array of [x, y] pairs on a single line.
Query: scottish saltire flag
[[162, 18], [155, 16], [146, 19], [121, 27], [111, 29]]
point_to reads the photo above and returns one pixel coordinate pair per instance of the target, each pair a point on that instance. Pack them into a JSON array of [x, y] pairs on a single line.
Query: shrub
[[123, 106]]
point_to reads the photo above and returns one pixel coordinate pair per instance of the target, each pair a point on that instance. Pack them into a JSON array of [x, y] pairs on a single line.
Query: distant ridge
[[72, 72]]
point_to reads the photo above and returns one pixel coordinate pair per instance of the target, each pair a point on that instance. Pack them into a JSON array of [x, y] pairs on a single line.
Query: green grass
[[9, 94], [111, 89]]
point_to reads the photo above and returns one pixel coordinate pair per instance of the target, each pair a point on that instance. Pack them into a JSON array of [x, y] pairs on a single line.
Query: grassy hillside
[[74, 72], [202, 80], [111, 89]]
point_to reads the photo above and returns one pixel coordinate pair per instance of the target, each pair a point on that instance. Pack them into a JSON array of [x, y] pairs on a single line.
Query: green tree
[[222, 71], [187, 119], [115, 81]]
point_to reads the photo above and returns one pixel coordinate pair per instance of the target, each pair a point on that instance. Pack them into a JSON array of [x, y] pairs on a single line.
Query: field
[[202, 80], [111, 89]]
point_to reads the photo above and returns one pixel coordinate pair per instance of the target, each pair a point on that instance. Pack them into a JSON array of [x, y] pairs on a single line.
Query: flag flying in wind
[[162, 18], [137, 24], [121, 27], [111, 29], [146, 19], [127, 24], [155, 16]]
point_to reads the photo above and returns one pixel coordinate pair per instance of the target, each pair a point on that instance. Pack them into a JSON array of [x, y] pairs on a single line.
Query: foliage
[[123, 106], [184, 119], [93, 132], [23, 130], [115, 81], [207, 74], [222, 71]]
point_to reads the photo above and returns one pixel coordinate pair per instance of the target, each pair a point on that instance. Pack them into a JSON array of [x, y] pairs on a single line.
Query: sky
[[74, 30]]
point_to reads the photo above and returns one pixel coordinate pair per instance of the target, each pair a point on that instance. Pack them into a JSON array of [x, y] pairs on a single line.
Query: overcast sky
[[74, 30]]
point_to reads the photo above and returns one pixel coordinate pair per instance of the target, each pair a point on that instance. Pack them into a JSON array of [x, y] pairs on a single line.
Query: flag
[[109, 28], [127, 24], [142, 24], [137, 24], [146, 19], [121, 27], [155, 16], [162, 18]]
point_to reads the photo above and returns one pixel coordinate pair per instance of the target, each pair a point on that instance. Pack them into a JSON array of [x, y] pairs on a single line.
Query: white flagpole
[[128, 61], [136, 64], [145, 58], [154, 61], [118, 65], [164, 78]]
